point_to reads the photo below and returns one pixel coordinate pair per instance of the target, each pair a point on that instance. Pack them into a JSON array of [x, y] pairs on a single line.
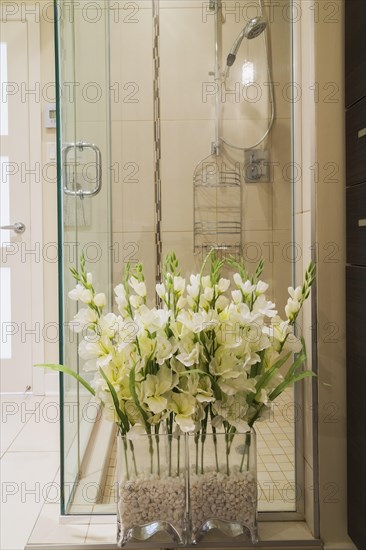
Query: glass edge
[[60, 248]]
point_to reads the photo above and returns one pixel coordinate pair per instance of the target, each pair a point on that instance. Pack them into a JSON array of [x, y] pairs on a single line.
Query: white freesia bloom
[[100, 299], [81, 293], [261, 287], [223, 285], [160, 290], [136, 301], [193, 288], [236, 296], [293, 303], [138, 286], [184, 408], [198, 358], [121, 299], [189, 352], [84, 319], [208, 293], [264, 307], [155, 386], [179, 284], [221, 303]]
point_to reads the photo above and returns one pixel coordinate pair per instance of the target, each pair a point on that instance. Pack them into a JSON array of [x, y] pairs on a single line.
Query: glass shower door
[[84, 213]]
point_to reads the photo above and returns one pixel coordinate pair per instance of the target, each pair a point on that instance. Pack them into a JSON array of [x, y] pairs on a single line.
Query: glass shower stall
[[175, 132]]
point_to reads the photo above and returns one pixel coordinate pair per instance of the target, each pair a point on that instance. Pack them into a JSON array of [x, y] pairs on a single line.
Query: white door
[[21, 254]]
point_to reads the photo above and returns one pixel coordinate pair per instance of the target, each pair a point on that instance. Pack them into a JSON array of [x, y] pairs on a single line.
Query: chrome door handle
[[18, 227], [81, 145]]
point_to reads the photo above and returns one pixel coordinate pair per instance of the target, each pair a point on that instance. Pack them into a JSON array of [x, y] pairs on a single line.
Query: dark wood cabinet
[[355, 94], [356, 403], [355, 59], [356, 142], [356, 224]]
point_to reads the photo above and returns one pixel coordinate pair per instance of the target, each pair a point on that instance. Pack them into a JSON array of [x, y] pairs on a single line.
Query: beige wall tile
[[186, 87], [131, 62], [133, 248], [282, 173], [132, 176], [182, 152], [257, 206]]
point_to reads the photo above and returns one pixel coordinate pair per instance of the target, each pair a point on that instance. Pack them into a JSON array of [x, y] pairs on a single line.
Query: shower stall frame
[[263, 516]]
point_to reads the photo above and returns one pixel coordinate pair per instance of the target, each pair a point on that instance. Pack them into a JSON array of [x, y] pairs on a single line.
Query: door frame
[[35, 207]]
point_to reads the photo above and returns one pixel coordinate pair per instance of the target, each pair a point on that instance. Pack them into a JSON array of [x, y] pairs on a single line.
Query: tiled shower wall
[[188, 129]]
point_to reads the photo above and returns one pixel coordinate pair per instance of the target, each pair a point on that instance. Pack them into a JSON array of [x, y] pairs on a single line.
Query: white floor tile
[[49, 530], [42, 431], [16, 411], [27, 479]]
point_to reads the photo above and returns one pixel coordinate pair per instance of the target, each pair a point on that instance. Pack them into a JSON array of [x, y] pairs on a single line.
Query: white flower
[[81, 293], [237, 279], [296, 293], [208, 293], [193, 288], [261, 287], [155, 386], [189, 352], [236, 296], [291, 309], [246, 287], [164, 349], [179, 284], [136, 301], [160, 290], [100, 299], [221, 303], [223, 285], [121, 299], [183, 406], [83, 319], [138, 286], [265, 308]]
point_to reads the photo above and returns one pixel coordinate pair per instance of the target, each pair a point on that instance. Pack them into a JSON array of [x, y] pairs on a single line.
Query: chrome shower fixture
[[252, 29]]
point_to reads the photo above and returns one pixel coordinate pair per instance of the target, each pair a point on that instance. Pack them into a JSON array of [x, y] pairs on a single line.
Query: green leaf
[[124, 421], [66, 370], [281, 387], [266, 377], [136, 399]]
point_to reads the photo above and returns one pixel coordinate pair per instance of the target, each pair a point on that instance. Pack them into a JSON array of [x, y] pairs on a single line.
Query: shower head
[[252, 29]]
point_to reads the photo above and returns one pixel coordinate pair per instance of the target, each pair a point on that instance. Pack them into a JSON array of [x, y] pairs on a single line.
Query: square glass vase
[[223, 484], [152, 489]]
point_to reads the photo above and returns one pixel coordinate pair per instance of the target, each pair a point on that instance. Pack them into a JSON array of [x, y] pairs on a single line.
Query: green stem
[[246, 452], [151, 453], [170, 438], [196, 441], [178, 456], [157, 440], [215, 445], [203, 438], [227, 453], [133, 457], [126, 458]]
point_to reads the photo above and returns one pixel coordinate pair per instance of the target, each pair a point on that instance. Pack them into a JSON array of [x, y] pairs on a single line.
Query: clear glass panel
[[168, 108], [84, 209]]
